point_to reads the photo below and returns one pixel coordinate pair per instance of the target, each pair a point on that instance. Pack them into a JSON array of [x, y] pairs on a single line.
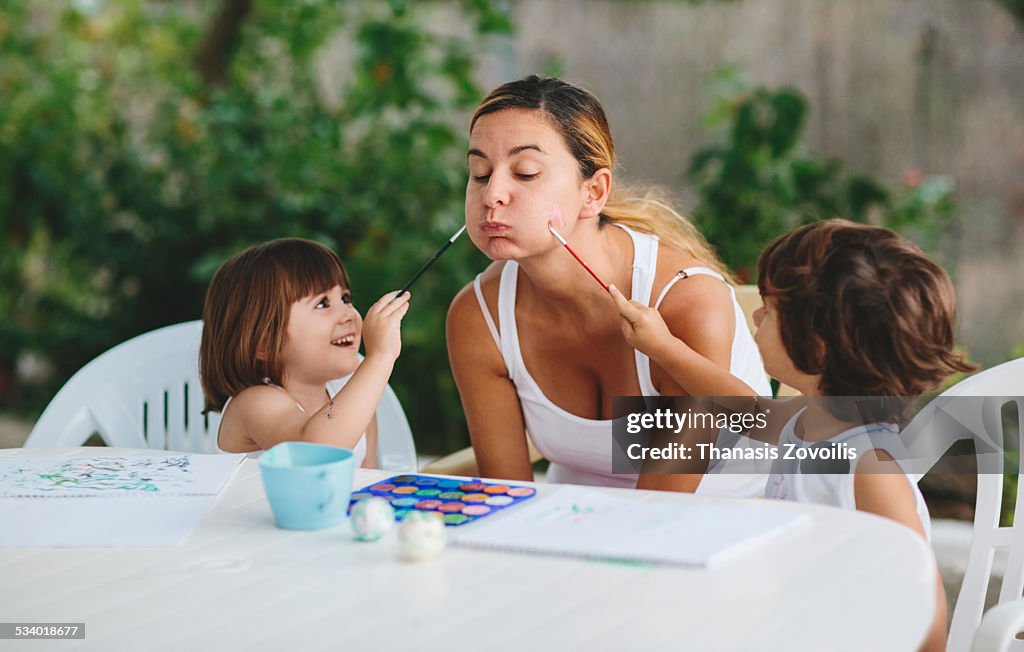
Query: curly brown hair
[[862, 307]]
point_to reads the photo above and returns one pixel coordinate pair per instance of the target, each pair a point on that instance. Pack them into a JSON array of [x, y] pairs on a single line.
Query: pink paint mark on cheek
[[556, 217]]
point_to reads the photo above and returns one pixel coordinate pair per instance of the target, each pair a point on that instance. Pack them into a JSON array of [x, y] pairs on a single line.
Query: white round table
[[848, 581]]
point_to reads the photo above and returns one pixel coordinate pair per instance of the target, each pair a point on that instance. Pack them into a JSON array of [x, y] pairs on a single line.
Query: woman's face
[[519, 169]]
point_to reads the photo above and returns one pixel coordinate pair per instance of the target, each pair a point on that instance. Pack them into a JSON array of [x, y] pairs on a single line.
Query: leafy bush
[[759, 183], [141, 144]]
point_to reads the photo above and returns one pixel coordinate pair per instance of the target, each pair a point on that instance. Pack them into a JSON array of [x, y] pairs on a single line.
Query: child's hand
[[643, 327], [382, 325]]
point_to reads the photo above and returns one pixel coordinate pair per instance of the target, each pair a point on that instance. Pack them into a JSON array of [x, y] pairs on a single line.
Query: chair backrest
[[396, 450], [145, 393], [945, 421]]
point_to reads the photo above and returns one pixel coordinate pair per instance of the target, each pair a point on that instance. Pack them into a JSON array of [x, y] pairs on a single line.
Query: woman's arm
[[489, 398]]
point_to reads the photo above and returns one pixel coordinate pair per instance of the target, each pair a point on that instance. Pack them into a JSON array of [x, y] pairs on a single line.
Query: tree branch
[[214, 56]]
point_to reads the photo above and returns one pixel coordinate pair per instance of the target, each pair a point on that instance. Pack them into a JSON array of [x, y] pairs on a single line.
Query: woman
[[534, 341]]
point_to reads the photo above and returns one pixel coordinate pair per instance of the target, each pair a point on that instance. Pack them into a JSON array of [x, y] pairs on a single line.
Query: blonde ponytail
[[649, 210]]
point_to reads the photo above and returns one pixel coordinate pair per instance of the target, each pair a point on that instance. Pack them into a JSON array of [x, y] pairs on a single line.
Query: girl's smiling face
[[322, 338], [519, 169]]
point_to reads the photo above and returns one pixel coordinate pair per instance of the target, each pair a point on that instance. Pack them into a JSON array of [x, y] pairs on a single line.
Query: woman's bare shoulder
[[465, 309], [697, 287], [698, 305]]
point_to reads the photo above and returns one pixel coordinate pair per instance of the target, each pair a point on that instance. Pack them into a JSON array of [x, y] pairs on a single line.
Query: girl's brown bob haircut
[[864, 308], [245, 315]]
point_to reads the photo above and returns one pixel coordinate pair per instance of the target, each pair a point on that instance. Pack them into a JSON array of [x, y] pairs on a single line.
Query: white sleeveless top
[[787, 482], [579, 449], [358, 451]]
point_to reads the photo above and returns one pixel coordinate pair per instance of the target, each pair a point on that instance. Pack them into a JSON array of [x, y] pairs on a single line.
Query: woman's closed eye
[[522, 176]]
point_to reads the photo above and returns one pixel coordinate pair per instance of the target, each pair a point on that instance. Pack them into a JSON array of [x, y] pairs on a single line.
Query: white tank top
[[787, 482], [358, 452], [579, 449]]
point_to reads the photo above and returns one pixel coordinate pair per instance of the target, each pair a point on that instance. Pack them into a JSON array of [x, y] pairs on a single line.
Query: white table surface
[[847, 581]]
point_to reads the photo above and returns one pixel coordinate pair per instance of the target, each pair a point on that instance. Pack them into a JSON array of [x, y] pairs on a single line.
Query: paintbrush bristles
[[557, 235], [457, 234]]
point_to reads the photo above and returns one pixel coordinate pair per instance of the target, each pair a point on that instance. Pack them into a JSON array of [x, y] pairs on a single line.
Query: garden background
[[142, 142]]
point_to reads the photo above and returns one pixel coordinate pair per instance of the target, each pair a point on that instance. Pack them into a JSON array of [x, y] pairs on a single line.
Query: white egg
[[421, 536], [372, 518]]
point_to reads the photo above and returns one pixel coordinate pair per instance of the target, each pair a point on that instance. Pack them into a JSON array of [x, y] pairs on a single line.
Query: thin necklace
[[330, 404]]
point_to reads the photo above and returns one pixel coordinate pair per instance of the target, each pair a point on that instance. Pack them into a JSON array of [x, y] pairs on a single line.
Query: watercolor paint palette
[[457, 501]]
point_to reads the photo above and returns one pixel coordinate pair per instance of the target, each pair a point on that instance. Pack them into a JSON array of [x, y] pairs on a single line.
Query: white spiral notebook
[[581, 522]]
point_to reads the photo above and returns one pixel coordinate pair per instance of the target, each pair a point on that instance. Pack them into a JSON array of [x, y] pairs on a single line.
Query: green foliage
[[126, 179], [759, 183], [1011, 440], [1015, 7]]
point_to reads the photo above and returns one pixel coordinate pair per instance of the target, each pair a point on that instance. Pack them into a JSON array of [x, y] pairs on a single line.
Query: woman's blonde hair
[[578, 116]]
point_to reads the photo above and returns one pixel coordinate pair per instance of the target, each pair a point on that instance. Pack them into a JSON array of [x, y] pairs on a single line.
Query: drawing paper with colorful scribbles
[[105, 501], [178, 474], [581, 522]]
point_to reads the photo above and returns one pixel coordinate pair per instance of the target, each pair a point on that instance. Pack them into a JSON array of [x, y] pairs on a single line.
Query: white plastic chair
[[928, 436], [145, 393], [396, 450]]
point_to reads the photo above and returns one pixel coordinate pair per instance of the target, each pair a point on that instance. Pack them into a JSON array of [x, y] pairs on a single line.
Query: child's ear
[[817, 351], [262, 355], [596, 191]]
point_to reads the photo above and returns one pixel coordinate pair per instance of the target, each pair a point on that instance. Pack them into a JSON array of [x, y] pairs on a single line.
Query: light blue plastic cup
[[308, 485]]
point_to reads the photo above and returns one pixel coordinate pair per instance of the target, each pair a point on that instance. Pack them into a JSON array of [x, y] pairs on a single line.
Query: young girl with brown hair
[[279, 328]]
